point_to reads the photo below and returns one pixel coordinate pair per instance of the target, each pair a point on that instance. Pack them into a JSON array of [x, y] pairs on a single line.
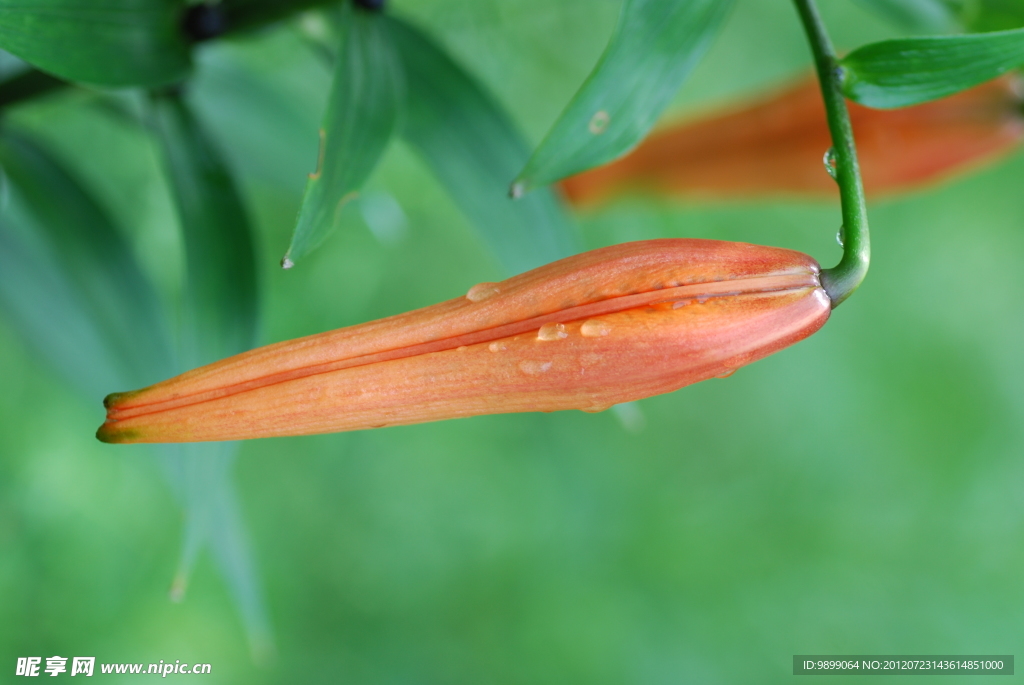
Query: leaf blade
[[362, 113], [473, 149], [220, 301], [68, 257], [904, 72], [655, 45], [100, 42]]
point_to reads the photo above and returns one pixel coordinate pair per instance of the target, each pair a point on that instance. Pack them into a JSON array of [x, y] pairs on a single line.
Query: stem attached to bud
[[841, 280]]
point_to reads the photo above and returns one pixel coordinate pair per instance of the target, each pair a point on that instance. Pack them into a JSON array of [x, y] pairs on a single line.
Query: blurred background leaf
[[71, 279], [220, 302], [898, 73], [219, 318], [474, 149], [655, 46], [991, 15], [362, 113], [100, 42], [918, 16]]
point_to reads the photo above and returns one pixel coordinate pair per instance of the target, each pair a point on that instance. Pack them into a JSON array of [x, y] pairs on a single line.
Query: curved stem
[[841, 280]]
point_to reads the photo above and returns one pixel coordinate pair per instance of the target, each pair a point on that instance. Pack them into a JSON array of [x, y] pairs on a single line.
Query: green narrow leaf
[[101, 42], [220, 312], [925, 16], [70, 279], [655, 45], [909, 71], [220, 307], [200, 474], [361, 115], [473, 148]]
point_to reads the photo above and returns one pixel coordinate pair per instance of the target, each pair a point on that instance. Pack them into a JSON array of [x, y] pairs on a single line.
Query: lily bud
[[775, 144], [608, 326]]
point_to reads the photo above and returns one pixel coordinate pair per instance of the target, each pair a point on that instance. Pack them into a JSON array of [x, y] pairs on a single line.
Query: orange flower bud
[[608, 326], [775, 145]]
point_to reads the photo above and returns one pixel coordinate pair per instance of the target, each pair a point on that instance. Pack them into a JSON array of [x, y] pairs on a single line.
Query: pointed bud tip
[[110, 434]]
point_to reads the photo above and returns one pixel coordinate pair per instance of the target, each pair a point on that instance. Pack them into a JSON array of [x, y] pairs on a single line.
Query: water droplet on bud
[[679, 304], [482, 291], [595, 328], [497, 347], [552, 331], [728, 373], [534, 368], [599, 122], [596, 408], [841, 236]]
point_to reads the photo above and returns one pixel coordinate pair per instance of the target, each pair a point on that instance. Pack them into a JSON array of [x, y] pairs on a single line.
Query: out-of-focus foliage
[[655, 46], [101, 42], [220, 303], [70, 279], [919, 16], [537, 548], [472, 147], [991, 15]]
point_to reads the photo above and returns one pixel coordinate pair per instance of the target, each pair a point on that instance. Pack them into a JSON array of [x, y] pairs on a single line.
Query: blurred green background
[[857, 493]]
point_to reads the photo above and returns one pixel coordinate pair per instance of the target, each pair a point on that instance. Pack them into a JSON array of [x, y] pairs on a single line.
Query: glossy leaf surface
[[898, 73], [70, 279], [101, 42], [655, 45], [361, 116], [474, 149], [220, 294]]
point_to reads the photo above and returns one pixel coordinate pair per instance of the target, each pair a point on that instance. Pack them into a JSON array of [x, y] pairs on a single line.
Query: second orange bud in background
[[774, 146]]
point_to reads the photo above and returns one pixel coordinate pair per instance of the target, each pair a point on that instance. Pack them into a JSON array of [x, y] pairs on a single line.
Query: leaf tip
[[178, 587]]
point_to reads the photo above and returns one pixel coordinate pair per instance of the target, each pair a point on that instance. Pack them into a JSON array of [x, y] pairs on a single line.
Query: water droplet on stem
[[830, 163]]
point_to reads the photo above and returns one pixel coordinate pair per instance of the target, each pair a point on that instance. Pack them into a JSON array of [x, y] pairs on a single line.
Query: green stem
[[841, 280]]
